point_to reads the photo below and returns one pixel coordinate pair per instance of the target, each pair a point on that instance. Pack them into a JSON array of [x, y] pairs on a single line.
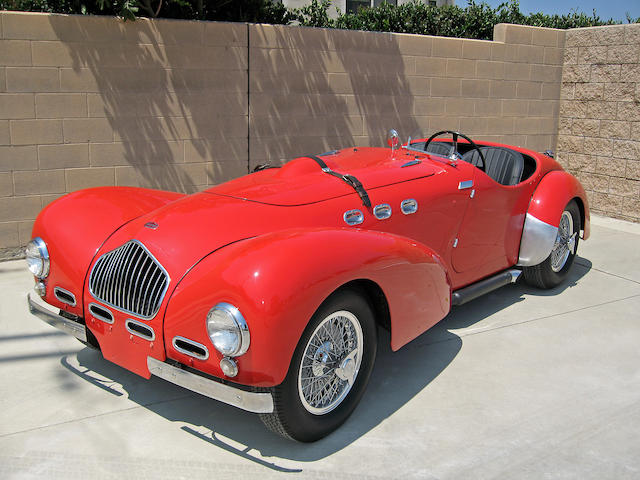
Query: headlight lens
[[228, 330], [37, 257]]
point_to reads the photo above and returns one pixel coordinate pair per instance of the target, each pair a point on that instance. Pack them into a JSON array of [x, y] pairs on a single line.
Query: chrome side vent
[[382, 211], [409, 206], [353, 217], [139, 329], [130, 279], [100, 313], [65, 296], [191, 348]]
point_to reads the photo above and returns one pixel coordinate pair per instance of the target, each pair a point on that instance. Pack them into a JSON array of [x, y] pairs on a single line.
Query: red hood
[[194, 226], [302, 181]]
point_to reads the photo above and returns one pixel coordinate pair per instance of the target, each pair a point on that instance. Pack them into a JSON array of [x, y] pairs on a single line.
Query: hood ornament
[[151, 225], [393, 140]]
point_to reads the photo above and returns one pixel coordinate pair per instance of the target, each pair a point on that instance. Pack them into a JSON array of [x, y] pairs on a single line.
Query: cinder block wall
[[180, 105], [313, 90], [89, 101], [600, 116]]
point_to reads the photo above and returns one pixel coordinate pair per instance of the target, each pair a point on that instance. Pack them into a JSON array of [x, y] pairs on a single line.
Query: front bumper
[[256, 402], [49, 315]]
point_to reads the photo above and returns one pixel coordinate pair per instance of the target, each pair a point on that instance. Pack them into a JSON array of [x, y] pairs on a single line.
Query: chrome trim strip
[[151, 338], [43, 311], [465, 184], [537, 241], [187, 352], [67, 292], [256, 402], [99, 316], [515, 274]]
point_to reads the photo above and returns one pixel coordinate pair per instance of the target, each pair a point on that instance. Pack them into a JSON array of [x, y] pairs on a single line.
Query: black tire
[[544, 275], [291, 418]]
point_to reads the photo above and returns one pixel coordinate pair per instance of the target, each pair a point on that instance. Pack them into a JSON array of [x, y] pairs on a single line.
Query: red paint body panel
[[301, 181], [75, 225], [274, 243], [278, 281], [556, 189]]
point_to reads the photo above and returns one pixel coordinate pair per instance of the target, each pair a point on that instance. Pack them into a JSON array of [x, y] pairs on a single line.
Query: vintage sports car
[[266, 292]]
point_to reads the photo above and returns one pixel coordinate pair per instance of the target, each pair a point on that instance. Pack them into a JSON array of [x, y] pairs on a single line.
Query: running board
[[475, 290]]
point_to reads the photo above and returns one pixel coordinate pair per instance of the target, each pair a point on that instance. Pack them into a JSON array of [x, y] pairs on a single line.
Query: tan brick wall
[[599, 126], [88, 101], [314, 90]]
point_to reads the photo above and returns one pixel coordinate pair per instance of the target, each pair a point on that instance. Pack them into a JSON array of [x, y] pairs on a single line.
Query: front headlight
[[228, 330], [38, 257]]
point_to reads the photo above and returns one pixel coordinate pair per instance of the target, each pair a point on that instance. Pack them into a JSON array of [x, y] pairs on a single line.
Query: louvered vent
[[129, 278]]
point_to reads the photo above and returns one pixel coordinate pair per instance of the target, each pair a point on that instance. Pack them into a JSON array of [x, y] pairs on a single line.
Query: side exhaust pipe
[[475, 290]]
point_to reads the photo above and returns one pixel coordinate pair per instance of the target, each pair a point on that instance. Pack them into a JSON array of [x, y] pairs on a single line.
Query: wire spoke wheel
[[564, 244], [330, 363], [329, 370]]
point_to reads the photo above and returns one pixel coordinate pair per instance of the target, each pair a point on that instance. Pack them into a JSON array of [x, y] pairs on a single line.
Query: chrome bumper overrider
[[251, 401], [50, 315]]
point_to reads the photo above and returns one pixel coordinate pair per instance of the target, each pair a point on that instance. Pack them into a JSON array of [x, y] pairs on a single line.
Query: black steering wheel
[[453, 153]]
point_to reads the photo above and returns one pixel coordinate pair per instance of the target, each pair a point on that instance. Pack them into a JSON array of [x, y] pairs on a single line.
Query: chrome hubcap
[[330, 362], [565, 243]]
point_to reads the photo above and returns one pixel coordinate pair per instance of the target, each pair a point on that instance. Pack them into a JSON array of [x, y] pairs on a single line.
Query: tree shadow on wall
[[168, 106], [166, 100], [314, 90]]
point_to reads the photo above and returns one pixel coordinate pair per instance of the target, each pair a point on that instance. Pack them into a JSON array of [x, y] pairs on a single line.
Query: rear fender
[[554, 192], [75, 226], [279, 280]]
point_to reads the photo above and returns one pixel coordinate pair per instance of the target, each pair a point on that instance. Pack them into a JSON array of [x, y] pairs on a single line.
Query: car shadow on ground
[[397, 378]]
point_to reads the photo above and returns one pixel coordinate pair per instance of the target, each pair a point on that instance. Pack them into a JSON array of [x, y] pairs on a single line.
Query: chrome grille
[[130, 279]]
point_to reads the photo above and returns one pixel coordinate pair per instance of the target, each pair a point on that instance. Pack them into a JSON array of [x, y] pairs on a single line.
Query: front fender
[[75, 226], [279, 280], [554, 192]]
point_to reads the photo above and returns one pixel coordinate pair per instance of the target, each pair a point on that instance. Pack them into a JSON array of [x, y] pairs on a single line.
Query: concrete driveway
[[518, 384]]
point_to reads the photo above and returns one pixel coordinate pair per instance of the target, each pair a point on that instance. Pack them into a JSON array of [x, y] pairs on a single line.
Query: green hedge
[[258, 11], [476, 20]]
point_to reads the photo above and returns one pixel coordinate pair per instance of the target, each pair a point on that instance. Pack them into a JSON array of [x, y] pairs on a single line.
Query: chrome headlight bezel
[[226, 318], [37, 256]]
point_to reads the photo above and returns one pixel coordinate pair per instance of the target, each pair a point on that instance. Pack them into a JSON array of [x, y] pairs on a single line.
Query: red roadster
[[266, 292]]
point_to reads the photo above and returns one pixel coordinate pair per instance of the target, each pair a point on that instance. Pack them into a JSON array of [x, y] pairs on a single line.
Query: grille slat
[[135, 259], [134, 278], [140, 285], [123, 280], [130, 279], [118, 275]]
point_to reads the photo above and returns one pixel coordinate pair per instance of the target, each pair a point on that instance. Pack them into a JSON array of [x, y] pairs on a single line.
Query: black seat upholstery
[[503, 165]]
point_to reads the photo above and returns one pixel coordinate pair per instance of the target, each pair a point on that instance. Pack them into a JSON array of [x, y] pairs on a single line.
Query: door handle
[[465, 184]]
